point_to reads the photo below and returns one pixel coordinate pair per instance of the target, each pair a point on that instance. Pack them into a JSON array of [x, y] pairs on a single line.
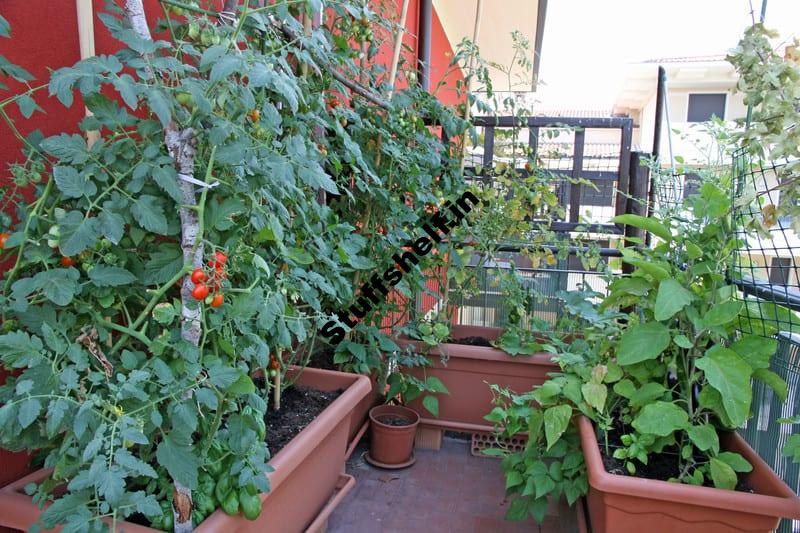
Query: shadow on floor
[[445, 491]]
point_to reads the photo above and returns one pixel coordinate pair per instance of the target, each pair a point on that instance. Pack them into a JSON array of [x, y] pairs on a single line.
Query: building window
[[703, 106]]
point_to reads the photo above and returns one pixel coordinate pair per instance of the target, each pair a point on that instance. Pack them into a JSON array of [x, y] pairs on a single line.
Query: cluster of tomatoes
[[208, 286], [274, 366]]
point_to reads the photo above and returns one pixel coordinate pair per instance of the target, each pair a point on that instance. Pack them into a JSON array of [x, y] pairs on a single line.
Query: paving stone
[[448, 490]]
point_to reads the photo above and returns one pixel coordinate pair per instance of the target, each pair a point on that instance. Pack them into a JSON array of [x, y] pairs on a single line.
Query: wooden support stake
[[276, 392], [86, 41]]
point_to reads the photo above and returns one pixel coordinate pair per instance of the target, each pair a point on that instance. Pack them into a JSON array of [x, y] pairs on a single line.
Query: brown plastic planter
[[622, 504], [392, 446], [359, 421], [466, 372], [306, 483]]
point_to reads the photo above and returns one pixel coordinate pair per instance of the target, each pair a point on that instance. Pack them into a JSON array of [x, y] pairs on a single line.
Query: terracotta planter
[[392, 446], [307, 482], [466, 372], [622, 504]]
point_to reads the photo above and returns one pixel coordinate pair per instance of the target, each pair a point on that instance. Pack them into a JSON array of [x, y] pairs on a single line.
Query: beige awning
[[499, 19]]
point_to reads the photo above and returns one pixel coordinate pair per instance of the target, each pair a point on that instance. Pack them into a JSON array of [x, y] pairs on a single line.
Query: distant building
[[698, 88]]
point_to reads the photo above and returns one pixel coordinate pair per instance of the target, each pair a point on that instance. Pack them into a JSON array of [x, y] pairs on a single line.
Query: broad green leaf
[[124, 458], [71, 183], [28, 412], [431, 403], [729, 374], [625, 388], [723, 475], [5, 28], [735, 461], [642, 342], [682, 341], [513, 478], [149, 213], [58, 285], [722, 313], [160, 105], [646, 393], [78, 233], [756, 350], [792, 448], [660, 418], [243, 385], [111, 226], [434, 384], [176, 454], [110, 276], [595, 395], [773, 381], [704, 437], [556, 420], [27, 105], [646, 223], [671, 298]]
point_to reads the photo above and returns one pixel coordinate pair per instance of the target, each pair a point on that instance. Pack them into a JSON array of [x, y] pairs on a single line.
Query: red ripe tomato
[[200, 292], [67, 261], [198, 276], [218, 299], [3, 239], [221, 258], [274, 364]]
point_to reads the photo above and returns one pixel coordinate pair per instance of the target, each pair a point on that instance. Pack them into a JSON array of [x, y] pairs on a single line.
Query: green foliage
[[770, 83], [94, 315], [551, 464], [687, 372]]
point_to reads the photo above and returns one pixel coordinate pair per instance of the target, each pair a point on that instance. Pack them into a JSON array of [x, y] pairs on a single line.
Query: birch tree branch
[[180, 145]]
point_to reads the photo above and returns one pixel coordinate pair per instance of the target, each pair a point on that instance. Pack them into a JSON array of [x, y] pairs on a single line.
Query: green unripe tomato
[[185, 99], [178, 11], [54, 230], [52, 243], [273, 372], [206, 36], [194, 31]]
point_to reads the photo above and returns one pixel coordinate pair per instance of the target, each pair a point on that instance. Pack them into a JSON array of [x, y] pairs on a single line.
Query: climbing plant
[[245, 169]]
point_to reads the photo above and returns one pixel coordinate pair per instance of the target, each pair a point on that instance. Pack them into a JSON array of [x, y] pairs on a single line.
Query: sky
[[588, 43]]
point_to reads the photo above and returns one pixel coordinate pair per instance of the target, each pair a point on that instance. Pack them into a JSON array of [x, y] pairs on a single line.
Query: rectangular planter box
[[622, 504], [359, 421], [305, 484], [466, 372]]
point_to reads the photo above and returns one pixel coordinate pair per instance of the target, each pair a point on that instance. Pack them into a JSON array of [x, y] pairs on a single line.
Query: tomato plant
[[216, 148]]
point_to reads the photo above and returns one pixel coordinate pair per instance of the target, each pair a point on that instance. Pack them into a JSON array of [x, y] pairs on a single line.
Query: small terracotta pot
[[624, 504], [390, 445]]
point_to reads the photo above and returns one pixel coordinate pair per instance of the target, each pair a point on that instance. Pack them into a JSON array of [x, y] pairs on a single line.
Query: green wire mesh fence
[[763, 433], [765, 269]]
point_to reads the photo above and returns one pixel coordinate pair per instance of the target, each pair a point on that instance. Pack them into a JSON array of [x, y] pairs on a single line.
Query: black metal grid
[[558, 146], [765, 266]]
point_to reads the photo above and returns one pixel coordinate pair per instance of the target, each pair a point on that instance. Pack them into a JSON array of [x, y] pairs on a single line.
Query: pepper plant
[[201, 238]]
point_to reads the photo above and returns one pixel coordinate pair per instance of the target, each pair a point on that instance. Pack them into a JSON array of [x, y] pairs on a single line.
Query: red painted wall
[[441, 50]]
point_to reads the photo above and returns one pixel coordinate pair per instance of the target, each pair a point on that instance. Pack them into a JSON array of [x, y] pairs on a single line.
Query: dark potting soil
[[472, 341], [323, 359], [392, 420], [663, 466], [299, 407]]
